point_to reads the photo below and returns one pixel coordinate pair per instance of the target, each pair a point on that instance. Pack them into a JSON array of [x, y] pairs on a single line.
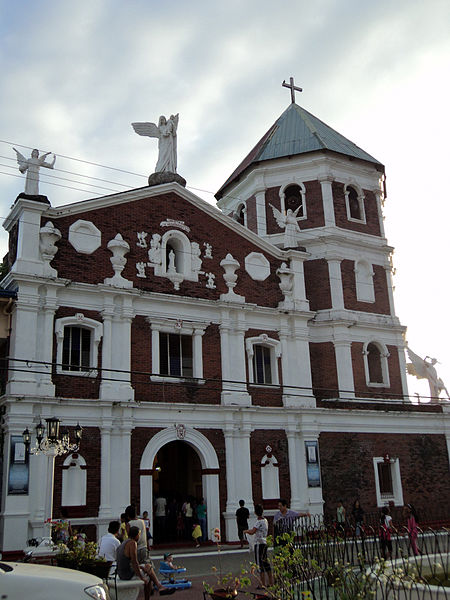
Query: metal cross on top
[[292, 88]]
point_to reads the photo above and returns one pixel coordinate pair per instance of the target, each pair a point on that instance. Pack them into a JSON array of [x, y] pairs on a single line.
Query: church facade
[[248, 352]]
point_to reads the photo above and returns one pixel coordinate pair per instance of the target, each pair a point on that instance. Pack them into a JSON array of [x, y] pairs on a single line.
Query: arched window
[[77, 340], [354, 201], [240, 214], [376, 364], [292, 197], [74, 481], [365, 291]]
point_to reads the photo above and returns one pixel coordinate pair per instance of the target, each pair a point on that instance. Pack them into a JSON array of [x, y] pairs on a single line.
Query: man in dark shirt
[[242, 516]]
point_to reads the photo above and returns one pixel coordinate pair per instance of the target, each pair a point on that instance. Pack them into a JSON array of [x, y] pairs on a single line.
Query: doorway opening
[[177, 479]]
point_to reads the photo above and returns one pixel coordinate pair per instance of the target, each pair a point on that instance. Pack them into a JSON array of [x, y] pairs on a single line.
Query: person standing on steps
[[242, 515]]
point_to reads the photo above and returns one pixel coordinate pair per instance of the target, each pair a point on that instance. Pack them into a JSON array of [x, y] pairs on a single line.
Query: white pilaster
[[44, 350], [378, 196], [337, 292], [197, 353], [261, 222], [344, 366], [390, 289], [233, 361], [327, 199], [105, 470], [107, 313], [22, 376]]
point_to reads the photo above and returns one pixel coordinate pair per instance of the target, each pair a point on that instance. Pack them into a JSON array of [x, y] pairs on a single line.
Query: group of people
[[385, 526], [283, 520], [180, 520], [126, 548]]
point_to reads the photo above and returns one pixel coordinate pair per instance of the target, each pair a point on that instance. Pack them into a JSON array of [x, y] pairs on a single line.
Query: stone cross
[[292, 88]]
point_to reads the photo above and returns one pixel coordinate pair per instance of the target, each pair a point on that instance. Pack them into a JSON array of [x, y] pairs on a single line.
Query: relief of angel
[[288, 222], [31, 166], [166, 132], [423, 368]]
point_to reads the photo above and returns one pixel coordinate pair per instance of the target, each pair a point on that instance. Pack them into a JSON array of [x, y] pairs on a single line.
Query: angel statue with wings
[[166, 132], [288, 222], [31, 166], [423, 368]]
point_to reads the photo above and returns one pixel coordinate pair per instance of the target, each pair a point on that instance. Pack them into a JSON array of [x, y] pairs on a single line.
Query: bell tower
[[306, 186]]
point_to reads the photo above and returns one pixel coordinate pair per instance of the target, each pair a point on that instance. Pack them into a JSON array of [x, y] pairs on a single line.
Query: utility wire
[[296, 391]]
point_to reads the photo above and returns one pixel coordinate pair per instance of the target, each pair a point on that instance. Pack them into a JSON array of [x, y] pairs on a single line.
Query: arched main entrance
[[177, 477], [192, 460]]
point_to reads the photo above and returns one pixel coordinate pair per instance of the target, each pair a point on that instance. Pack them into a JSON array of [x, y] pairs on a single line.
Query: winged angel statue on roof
[[423, 368], [31, 166], [166, 132], [288, 222]]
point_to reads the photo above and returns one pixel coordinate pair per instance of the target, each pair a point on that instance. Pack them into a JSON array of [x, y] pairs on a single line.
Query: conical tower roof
[[295, 132]]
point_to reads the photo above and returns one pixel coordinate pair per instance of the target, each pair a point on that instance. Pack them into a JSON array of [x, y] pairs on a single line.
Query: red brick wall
[[361, 388], [146, 214], [317, 284], [272, 197], [77, 386], [140, 436], [372, 224], [259, 439], [381, 304], [90, 448], [348, 473], [251, 214], [323, 370], [314, 206]]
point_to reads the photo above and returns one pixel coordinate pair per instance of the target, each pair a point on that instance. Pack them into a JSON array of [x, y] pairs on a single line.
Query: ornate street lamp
[[51, 445]]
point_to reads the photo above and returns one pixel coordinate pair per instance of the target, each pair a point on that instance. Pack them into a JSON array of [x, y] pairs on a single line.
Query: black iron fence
[[317, 560]]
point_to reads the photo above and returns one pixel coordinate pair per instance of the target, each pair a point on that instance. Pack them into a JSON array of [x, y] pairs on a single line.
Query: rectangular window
[[76, 349], [175, 355], [385, 479], [262, 364]]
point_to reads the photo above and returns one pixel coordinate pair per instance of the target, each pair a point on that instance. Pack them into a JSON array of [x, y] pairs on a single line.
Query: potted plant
[[227, 585], [82, 556]]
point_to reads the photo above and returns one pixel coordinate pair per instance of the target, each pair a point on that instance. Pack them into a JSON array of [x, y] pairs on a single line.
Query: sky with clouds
[[75, 75]]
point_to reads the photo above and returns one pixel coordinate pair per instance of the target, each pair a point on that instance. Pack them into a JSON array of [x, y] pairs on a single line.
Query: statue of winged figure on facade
[[423, 368], [288, 222], [31, 166], [166, 132]]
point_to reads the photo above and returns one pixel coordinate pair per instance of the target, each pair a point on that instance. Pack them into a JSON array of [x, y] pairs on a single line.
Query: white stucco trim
[[397, 496], [302, 188], [208, 459], [360, 193]]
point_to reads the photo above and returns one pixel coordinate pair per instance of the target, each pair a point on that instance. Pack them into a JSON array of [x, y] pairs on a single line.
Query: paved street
[[199, 564]]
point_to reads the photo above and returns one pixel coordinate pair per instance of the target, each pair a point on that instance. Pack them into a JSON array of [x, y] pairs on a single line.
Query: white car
[[23, 581]]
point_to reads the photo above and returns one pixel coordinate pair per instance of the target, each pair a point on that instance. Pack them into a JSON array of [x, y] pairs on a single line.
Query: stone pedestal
[[165, 177]]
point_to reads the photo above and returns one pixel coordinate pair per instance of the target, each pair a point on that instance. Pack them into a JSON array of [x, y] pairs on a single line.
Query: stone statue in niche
[[140, 266], [196, 261], [31, 166], [288, 222], [423, 368], [171, 266], [142, 243], [154, 254], [210, 283], [166, 132], [208, 250]]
